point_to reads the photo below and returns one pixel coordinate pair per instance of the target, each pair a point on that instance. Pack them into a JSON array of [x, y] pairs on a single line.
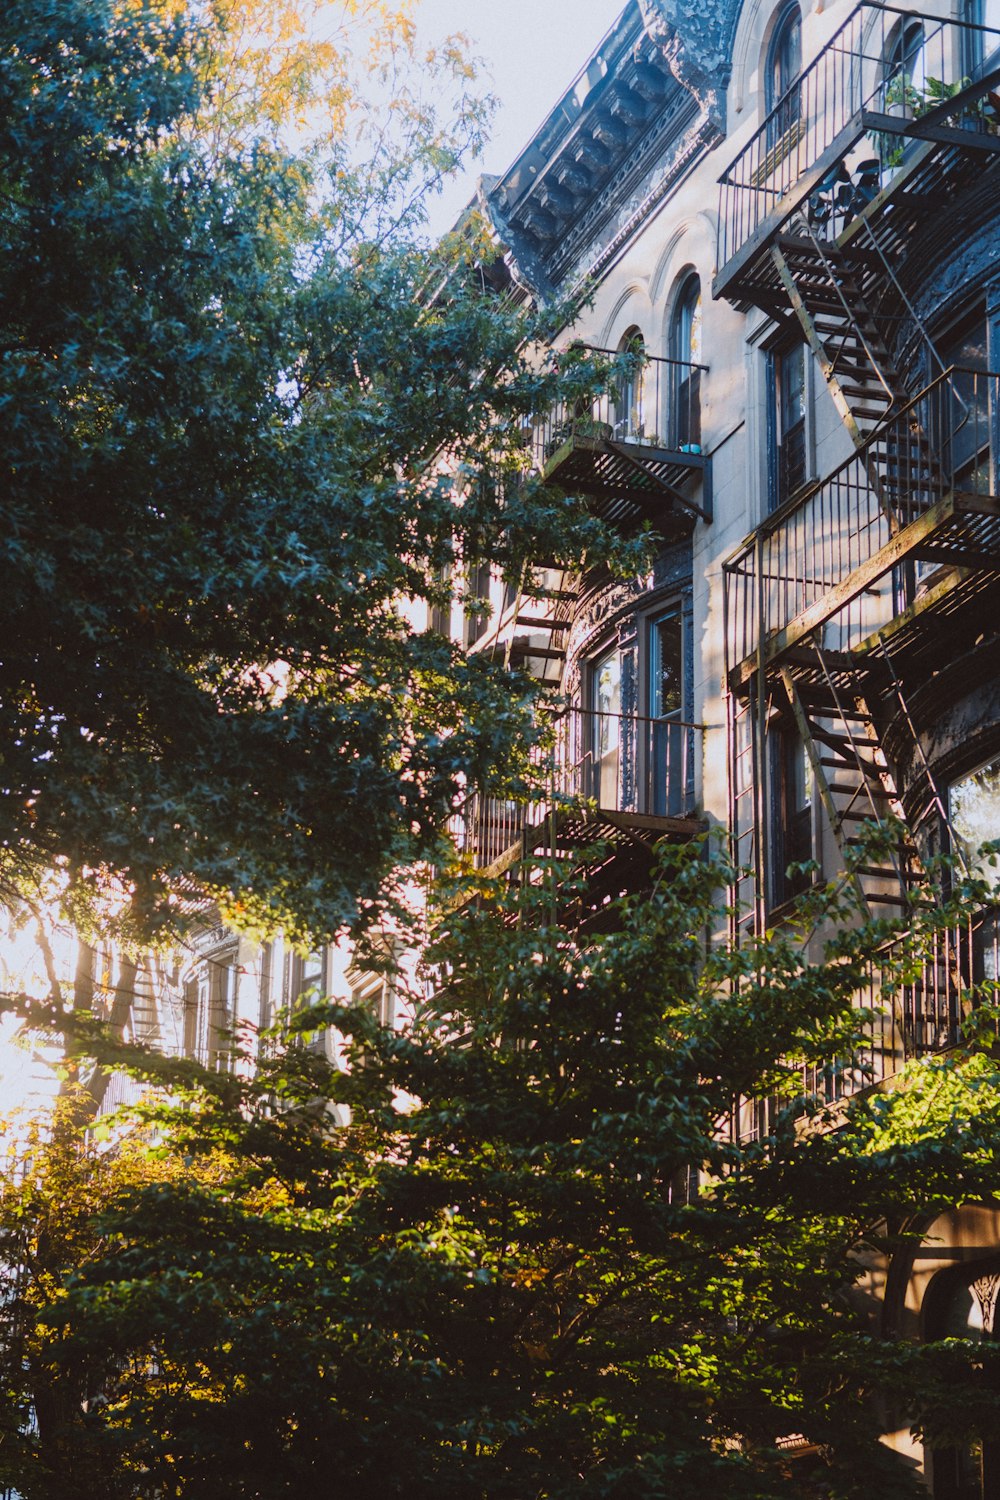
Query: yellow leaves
[[290, 65]]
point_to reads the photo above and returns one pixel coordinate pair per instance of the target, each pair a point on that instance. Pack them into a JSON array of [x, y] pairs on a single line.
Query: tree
[[496, 1281], [229, 382]]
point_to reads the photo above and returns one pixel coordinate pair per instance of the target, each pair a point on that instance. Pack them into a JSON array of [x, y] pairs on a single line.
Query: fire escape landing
[[860, 585], [633, 453]]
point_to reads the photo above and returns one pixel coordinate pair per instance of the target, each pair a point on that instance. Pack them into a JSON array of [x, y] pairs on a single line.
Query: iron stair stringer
[[840, 736]]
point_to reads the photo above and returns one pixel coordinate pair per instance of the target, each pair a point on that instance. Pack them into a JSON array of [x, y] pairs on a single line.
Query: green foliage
[[491, 1279], [228, 382]]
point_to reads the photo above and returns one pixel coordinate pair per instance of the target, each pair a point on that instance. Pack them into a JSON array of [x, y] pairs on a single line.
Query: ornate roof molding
[[630, 126], [695, 39]]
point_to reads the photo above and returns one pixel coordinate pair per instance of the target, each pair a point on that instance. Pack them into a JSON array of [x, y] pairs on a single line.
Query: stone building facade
[[788, 213]]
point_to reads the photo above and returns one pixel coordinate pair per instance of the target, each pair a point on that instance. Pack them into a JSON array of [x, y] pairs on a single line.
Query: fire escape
[[609, 783], [860, 585]]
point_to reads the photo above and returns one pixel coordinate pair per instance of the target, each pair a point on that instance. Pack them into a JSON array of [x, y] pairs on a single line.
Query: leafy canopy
[[498, 1278], [244, 415]]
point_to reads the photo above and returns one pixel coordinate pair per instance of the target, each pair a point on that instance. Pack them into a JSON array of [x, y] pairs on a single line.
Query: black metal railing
[[655, 404], [905, 1018], [602, 762], [839, 133], [940, 444]]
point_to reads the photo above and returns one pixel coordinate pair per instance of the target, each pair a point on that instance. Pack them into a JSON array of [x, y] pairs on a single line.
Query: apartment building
[[788, 214]]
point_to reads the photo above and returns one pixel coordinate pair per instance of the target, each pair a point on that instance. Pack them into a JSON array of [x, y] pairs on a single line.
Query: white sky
[[533, 50]]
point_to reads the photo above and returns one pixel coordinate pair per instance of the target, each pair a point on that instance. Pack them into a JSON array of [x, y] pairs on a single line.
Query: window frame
[[792, 834], [685, 390], [782, 99], [782, 437]]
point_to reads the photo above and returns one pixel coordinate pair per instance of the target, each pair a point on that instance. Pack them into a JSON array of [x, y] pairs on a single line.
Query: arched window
[[685, 351], [904, 70], [963, 1304], [630, 391], [784, 64]]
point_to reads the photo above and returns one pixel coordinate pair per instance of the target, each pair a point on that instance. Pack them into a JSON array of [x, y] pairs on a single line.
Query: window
[[685, 350], [307, 979], [787, 371], [964, 1304], [974, 814], [629, 397], [981, 47], [974, 820], [373, 992], [791, 813], [209, 1012], [478, 617], [904, 73], [440, 614], [605, 728], [306, 985], [667, 749], [784, 64], [961, 416]]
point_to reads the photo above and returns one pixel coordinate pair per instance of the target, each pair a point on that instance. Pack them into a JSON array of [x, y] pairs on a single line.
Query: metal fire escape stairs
[[853, 777], [830, 694], [541, 609]]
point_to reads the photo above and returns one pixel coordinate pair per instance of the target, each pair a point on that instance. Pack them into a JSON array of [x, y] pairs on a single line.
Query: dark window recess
[[963, 1304], [685, 347], [669, 743], [960, 420], [981, 46], [479, 590], [440, 618], [629, 396], [789, 464], [791, 815]]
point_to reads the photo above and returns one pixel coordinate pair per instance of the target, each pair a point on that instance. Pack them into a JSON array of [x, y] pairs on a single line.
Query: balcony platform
[[632, 484], [576, 831], [961, 532], [862, 154]]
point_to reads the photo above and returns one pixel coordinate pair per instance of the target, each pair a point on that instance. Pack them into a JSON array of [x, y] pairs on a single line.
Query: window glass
[[791, 813], [477, 620], [606, 699], [630, 393], [981, 46], [669, 743], [667, 666], [974, 814], [784, 63], [961, 417], [685, 347], [785, 56], [789, 468], [904, 69]]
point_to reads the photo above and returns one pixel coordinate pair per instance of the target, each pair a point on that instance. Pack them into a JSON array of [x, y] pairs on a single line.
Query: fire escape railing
[[915, 1006], [796, 569], [655, 404], [600, 763], [887, 74]]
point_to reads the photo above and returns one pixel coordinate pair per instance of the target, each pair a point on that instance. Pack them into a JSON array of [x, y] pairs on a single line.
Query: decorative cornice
[[649, 102], [695, 39], [597, 257]]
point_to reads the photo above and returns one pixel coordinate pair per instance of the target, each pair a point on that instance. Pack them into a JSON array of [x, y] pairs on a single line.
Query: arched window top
[[685, 323], [784, 56], [632, 341], [904, 65]]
